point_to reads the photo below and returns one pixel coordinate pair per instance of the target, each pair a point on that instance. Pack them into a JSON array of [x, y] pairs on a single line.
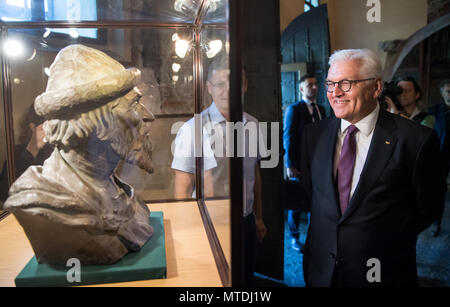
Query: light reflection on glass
[[176, 67], [13, 48], [181, 48], [213, 48]]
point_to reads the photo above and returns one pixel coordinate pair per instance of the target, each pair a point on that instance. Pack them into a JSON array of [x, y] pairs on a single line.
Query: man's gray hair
[[370, 63]]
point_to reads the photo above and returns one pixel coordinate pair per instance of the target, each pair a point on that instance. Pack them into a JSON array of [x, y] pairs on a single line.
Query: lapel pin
[[387, 142]]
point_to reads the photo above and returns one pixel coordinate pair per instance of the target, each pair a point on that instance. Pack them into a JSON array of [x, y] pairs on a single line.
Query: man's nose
[[337, 91]]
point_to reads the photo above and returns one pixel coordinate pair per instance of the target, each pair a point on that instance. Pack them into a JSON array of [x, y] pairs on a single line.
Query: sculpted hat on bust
[[83, 78]]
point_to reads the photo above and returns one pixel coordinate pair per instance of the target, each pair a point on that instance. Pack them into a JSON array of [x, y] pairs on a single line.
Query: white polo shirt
[[213, 128]]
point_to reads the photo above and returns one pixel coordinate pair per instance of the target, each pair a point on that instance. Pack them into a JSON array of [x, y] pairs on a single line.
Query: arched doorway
[[425, 56], [305, 48]]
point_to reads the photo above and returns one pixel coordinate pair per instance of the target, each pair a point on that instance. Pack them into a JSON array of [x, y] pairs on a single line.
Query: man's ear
[[417, 96], [31, 126], [300, 88], [378, 87]]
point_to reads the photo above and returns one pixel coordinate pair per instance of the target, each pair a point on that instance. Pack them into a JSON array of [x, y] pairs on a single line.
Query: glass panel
[[215, 121], [166, 89], [215, 115], [217, 12], [169, 11], [3, 156]]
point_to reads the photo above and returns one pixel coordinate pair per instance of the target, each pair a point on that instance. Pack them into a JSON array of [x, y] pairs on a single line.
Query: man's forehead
[[345, 69], [406, 84], [309, 80], [220, 73]]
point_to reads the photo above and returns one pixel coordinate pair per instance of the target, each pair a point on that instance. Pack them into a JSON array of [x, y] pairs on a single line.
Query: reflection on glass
[[31, 147], [176, 67], [216, 12], [186, 6], [70, 10], [216, 151], [200, 137], [13, 48], [165, 59], [3, 157], [181, 47], [179, 11], [213, 48], [164, 91]]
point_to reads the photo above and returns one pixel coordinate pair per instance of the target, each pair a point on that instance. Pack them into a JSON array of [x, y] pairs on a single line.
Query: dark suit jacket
[[438, 111], [296, 117], [400, 193]]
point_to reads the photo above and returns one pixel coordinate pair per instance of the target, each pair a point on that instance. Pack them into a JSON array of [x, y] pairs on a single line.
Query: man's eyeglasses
[[221, 85], [344, 85]]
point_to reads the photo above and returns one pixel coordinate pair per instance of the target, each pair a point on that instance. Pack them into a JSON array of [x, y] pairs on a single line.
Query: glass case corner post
[[198, 90], [236, 9], [7, 105]]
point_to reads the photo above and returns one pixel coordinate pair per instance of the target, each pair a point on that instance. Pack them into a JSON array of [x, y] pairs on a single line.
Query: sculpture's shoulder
[[41, 188]]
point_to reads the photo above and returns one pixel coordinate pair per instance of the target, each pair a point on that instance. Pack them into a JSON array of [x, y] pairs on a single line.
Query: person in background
[[441, 112], [298, 115], [31, 150], [216, 176], [409, 99]]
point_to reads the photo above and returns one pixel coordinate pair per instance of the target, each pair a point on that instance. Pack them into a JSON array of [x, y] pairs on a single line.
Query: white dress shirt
[[414, 113], [363, 138]]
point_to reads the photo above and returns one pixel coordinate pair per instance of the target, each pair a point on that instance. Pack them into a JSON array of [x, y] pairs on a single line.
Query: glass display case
[[172, 43]]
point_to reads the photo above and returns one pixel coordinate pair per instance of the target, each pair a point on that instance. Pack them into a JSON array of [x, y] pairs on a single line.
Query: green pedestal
[[148, 263]]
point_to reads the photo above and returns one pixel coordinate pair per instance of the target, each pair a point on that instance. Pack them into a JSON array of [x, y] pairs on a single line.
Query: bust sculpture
[[74, 206]]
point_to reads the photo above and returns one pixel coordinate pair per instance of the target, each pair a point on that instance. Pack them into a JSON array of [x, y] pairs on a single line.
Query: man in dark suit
[[373, 179], [441, 112], [298, 115]]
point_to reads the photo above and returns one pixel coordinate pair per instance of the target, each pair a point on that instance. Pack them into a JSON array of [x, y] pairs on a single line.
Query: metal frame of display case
[[229, 277]]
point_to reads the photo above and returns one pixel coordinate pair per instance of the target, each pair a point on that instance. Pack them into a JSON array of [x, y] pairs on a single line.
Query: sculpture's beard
[[141, 154], [133, 146]]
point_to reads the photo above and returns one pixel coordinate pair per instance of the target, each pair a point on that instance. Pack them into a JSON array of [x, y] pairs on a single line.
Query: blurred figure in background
[[31, 150], [441, 112], [409, 99], [297, 116]]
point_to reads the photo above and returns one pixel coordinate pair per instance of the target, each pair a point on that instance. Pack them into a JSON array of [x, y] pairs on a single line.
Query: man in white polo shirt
[[216, 166]]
